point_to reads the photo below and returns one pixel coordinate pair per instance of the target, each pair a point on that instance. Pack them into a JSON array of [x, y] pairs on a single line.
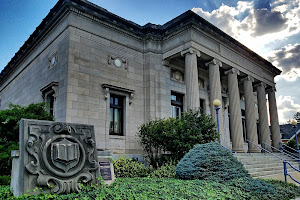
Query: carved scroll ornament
[[62, 156]]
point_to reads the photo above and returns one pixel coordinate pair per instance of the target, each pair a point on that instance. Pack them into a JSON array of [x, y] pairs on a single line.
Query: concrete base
[[239, 150], [255, 151]]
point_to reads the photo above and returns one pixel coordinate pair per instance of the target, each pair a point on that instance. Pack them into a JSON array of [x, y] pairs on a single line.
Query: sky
[[271, 28]]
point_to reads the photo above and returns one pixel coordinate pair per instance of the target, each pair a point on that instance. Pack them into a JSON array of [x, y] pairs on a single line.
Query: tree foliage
[[176, 135], [297, 116], [9, 129]]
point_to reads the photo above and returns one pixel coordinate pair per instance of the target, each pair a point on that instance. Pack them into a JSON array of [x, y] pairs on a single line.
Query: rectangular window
[[176, 104], [116, 115], [258, 133], [244, 124], [49, 98], [49, 93], [244, 129]]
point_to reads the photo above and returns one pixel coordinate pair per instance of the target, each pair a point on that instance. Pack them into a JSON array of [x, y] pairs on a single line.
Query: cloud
[[270, 28], [259, 24], [288, 60], [286, 108], [268, 22]]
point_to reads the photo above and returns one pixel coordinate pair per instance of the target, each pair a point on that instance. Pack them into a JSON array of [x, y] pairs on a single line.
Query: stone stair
[[260, 165]]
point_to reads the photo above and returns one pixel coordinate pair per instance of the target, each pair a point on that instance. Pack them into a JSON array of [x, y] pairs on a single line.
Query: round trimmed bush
[[211, 162]]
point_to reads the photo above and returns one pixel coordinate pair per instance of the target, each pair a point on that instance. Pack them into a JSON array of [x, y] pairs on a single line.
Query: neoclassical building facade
[[94, 67]]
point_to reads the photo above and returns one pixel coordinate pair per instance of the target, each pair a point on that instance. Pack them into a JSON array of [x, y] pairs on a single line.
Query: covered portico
[[239, 81]]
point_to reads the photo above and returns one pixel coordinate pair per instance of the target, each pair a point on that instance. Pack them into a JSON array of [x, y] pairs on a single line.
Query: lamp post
[[294, 123], [217, 104]]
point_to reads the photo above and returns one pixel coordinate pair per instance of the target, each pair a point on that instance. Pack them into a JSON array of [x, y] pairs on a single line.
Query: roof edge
[[159, 30]]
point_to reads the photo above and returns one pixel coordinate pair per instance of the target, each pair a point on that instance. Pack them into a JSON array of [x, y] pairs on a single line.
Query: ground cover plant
[[9, 131], [162, 183], [170, 188]]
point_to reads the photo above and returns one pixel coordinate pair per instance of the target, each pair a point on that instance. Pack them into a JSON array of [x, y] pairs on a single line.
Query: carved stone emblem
[[65, 154], [118, 61], [58, 157], [177, 75]]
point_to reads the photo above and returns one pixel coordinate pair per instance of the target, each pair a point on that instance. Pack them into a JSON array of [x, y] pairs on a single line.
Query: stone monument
[[54, 157]]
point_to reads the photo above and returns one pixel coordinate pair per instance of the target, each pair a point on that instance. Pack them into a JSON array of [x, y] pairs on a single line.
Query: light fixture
[[217, 104]]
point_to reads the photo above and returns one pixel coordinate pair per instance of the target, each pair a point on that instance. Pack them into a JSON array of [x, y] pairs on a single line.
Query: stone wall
[[36, 71], [93, 49]]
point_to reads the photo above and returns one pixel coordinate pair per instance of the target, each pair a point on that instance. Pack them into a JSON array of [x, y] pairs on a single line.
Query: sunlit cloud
[[264, 26]]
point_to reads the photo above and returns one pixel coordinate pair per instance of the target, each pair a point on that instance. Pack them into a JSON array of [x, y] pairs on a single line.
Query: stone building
[[94, 67]]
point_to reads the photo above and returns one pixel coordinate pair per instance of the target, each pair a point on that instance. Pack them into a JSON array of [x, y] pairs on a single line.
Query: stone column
[[263, 115], [215, 92], [236, 129], [275, 131], [250, 112], [191, 78]]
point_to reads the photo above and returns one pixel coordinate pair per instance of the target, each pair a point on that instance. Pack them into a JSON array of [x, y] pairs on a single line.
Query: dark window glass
[[202, 106], [244, 125], [116, 115], [176, 104], [258, 133], [244, 129], [50, 103]]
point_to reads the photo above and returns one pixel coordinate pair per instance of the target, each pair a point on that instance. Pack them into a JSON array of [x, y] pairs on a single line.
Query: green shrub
[[176, 136], [283, 189], [248, 184], [9, 129], [126, 167], [5, 180], [291, 144], [165, 171], [211, 162]]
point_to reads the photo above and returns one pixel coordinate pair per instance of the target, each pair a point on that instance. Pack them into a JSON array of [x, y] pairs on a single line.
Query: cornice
[[232, 45], [113, 25], [158, 33]]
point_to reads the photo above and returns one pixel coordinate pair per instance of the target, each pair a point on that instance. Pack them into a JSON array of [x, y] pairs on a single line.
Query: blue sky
[[271, 28]]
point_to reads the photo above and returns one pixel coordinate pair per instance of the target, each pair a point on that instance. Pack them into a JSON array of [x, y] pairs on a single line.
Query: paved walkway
[[295, 175]]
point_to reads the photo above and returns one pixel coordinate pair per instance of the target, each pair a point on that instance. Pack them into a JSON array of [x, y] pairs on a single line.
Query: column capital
[[191, 50], [261, 84], [165, 62], [214, 62], [233, 71], [272, 89], [248, 78]]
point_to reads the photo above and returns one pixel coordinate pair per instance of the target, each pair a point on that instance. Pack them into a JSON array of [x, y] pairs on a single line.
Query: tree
[[297, 117], [9, 129]]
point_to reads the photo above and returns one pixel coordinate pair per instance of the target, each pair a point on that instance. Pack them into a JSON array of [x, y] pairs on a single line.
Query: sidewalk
[[295, 175]]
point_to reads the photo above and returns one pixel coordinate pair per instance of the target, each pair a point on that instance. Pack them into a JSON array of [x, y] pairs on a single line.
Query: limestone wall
[[92, 51], [34, 72]]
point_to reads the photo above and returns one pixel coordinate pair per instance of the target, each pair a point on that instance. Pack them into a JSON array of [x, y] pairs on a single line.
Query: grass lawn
[[167, 188]]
